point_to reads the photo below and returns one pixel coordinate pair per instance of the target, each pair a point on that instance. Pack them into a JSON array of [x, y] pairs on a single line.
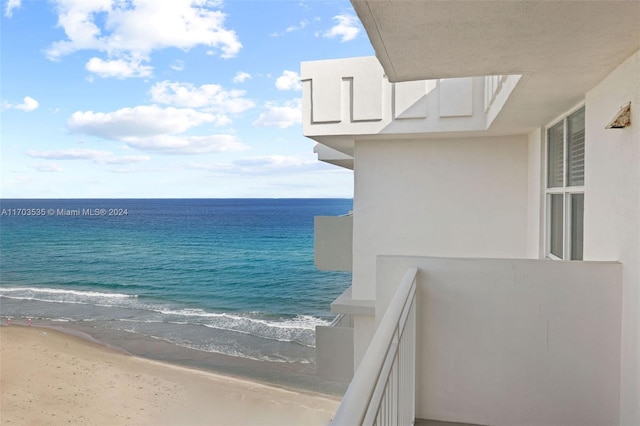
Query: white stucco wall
[[364, 327], [445, 197], [535, 201], [513, 342], [333, 243], [352, 96], [334, 353], [612, 209]]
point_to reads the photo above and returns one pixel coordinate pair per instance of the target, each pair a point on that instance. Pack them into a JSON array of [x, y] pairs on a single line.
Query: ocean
[[211, 277]]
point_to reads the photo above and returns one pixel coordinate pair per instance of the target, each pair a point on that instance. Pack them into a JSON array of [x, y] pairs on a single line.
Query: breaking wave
[[137, 315]]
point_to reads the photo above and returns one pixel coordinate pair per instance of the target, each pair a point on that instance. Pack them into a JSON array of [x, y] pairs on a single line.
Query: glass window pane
[[575, 148], [555, 156], [577, 227], [556, 228]]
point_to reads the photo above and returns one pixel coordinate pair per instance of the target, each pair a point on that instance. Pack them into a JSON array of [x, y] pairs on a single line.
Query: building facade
[[495, 147]]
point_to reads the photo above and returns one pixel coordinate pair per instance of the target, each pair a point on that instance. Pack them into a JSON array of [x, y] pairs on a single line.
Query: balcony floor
[[423, 422]]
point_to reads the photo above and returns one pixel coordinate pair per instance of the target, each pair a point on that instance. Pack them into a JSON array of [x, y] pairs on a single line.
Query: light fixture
[[622, 118]]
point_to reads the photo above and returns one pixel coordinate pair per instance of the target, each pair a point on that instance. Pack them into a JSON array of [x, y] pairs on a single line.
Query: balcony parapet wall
[[353, 97], [543, 335]]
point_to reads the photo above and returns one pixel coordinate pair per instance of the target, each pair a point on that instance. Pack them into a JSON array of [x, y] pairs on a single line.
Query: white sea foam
[[241, 354], [303, 322], [299, 329], [26, 292], [124, 308], [219, 349], [35, 299], [225, 349]]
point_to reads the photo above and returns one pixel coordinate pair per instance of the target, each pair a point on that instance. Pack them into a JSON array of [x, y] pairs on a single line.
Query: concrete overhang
[[419, 40], [562, 48], [332, 156]]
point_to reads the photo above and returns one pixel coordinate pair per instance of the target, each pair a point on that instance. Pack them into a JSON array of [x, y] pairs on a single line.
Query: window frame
[[566, 191]]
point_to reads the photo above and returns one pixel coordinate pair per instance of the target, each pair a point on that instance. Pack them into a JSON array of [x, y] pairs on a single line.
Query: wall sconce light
[[622, 118]]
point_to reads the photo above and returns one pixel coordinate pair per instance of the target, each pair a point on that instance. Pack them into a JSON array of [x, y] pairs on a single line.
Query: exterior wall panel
[[333, 243], [448, 197], [513, 341], [612, 208]]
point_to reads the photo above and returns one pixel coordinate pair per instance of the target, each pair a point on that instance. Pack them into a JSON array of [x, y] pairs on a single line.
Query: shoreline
[[53, 376], [299, 376]]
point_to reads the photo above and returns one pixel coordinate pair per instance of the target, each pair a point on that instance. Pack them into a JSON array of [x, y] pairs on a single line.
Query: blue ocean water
[[228, 276]]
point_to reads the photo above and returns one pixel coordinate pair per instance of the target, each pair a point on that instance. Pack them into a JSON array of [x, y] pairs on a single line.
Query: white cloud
[[265, 165], [347, 28], [140, 121], [281, 116], [97, 156], [212, 97], [129, 30], [11, 5], [69, 154], [129, 169], [178, 65], [303, 24], [241, 77], [28, 104], [279, 162], [49, 168], [19, 182], [179, 144], [212, 167], [124, 159], [156, 129], [118, 68], [289, 80]]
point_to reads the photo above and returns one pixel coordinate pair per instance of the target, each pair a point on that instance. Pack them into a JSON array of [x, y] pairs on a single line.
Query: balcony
[[334, 350], [351, 98], [497, 341], [333, 242]]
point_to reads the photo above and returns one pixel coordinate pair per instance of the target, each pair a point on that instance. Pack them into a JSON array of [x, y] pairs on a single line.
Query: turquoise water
[[227, 276]]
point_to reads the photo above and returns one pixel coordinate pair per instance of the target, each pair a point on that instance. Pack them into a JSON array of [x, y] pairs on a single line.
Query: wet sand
[[50, 378]]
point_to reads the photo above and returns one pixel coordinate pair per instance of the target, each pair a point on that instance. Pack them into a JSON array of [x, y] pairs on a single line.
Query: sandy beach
[[50, 378]]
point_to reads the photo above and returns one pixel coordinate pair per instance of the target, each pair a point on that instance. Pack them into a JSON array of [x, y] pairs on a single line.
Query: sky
[[165, 98]]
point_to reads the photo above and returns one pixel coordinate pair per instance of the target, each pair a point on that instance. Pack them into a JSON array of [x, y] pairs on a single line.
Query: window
[[565, 187]]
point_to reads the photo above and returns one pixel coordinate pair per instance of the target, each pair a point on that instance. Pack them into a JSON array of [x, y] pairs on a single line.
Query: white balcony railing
[[383, 389]]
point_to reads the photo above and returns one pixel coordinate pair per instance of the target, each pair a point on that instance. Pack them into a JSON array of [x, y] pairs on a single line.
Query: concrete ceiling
[[562, 48], [417, 40]]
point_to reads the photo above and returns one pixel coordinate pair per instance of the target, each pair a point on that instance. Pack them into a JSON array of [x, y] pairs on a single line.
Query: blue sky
[[165, 98]]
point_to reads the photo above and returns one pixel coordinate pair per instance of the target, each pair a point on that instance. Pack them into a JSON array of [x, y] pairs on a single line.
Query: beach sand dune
[[52, 378]]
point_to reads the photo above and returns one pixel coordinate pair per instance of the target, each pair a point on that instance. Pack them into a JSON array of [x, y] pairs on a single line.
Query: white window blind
[[555, 166], [575, 148]]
